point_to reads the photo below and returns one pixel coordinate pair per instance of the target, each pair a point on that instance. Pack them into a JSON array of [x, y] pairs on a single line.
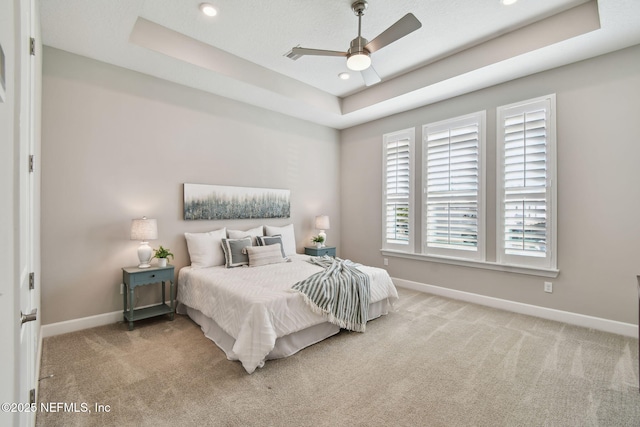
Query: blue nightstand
[[327, 250], [133, 277]]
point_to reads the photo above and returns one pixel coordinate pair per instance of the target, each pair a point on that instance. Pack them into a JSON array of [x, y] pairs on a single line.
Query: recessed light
[[208, 9], [344, 76], [508, 2]]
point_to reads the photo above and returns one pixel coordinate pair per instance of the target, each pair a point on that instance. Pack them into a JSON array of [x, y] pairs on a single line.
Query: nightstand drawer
[[145, 277], [329, 250]]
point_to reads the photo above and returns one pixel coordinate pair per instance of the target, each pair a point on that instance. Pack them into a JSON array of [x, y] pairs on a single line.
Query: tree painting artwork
[[213, 202]]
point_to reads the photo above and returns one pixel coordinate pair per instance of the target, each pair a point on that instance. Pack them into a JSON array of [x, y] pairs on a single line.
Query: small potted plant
[[162, 254], [318, 240]]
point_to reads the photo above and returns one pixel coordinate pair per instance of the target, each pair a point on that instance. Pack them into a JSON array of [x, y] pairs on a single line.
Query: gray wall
[[598, 109], [118, 145]]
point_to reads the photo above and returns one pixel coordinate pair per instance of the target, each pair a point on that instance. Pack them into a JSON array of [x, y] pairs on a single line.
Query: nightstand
[[327, 250], [133, 277]]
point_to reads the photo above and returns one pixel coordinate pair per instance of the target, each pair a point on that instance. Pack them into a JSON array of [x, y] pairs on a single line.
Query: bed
[[252, 313]]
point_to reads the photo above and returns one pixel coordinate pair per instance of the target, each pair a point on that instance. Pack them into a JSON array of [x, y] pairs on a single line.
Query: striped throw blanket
[[340, 292]]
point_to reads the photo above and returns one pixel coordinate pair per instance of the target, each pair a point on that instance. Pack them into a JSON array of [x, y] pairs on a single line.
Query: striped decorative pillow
[[264, 255]]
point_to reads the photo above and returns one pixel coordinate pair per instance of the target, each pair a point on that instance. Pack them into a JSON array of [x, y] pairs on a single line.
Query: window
[[451, 209], [526, 183], [398, 190], [453, 182]]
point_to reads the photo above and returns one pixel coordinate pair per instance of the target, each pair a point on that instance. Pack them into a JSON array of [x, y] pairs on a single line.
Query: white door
[[26, 242]]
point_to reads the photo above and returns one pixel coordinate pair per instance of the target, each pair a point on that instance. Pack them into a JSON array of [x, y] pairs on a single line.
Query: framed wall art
[[212, 202]]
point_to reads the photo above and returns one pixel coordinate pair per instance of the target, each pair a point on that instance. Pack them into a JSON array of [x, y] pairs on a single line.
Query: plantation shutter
[[526, 178], [398, 188], [451, 180]]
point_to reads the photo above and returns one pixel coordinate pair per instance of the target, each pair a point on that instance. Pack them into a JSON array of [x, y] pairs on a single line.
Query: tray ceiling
[[463, 45]]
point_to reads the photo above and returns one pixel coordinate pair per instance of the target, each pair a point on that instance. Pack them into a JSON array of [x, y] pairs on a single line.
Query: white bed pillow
[[288, 237], [253, 233], [205, 249], [265, 255]]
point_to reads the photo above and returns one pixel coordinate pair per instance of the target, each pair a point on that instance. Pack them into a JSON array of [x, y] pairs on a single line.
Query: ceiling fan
[[358, 54]]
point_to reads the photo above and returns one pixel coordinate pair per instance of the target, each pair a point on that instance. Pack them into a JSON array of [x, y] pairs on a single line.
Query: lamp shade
[[144, 229], [322, 222]]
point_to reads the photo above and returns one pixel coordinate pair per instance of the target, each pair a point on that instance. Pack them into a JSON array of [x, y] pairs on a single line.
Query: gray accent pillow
[[271, 240], [233, 252]]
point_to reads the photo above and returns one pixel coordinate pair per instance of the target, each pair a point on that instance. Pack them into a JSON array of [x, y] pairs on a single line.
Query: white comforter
[[255, 305]]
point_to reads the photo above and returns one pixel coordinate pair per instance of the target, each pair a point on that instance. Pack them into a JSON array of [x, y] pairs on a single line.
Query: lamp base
[[324, 235], [144, 255]]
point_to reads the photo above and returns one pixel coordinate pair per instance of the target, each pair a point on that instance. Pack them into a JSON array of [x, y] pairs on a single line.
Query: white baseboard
[[606, 325], [80, 324], [84, 323]]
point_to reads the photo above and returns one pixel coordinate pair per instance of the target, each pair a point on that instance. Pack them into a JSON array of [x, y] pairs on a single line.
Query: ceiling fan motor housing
[[357, 46]]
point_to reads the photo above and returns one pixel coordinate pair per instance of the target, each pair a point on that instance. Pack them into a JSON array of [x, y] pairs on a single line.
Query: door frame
[[27, 244]]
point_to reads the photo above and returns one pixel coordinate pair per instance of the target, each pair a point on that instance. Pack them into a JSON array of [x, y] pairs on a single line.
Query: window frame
[[404, 134], [549, 261], [479, 254]]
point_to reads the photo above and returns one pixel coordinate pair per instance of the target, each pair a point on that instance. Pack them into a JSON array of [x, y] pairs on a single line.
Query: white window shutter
[[453, 206], [526, 150], [398, 190]]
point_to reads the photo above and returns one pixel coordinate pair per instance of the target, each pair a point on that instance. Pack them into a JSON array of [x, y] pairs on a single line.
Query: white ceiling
[[463, 45]]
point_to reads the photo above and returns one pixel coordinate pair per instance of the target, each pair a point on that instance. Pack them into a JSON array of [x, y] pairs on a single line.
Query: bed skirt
[[285, 346]]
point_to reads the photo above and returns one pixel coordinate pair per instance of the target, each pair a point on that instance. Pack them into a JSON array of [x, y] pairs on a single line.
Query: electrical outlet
[[385, 261], [548, 287], [121, 288]]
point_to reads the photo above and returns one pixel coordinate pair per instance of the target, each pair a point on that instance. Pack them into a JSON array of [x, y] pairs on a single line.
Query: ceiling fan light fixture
[[208, 9], [358, 61]]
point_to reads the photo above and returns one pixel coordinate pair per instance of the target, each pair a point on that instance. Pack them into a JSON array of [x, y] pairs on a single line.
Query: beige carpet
[[433, 362]]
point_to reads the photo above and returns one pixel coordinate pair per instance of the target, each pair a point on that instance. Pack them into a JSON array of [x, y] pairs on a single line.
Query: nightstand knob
[[153, 275]]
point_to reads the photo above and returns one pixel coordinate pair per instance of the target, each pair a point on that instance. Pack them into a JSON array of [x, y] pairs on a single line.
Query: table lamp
[[144, 229], [322, 223]]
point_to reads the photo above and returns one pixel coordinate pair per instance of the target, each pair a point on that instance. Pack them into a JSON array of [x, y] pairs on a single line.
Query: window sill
[[486, 265]]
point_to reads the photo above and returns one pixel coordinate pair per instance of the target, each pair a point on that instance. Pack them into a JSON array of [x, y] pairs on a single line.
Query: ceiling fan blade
[[297, 52], [370, 76], [405, 25]]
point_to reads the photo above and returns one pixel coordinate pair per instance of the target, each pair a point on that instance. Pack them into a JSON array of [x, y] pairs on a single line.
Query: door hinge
[[32, 46], [31, 162], [32, 396], [32, 281]]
